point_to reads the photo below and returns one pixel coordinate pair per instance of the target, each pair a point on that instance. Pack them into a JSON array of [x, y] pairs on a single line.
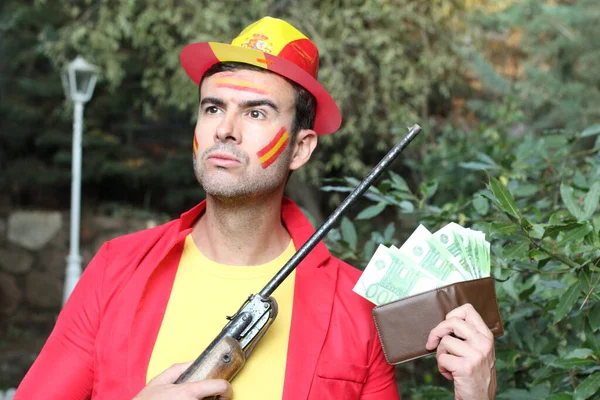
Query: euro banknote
[[425, 261]]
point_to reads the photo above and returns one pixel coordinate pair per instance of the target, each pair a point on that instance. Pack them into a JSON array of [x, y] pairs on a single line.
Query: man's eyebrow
[[212, 100], [260, 102], [244, 104]]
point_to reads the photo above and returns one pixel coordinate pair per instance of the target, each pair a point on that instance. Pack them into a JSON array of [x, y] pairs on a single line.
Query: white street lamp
[[78, 79]]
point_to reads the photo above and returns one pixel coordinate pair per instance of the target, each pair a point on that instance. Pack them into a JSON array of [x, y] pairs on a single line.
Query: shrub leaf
[[566, 302], [504, 197], [575, 234], [371, 211], [588, 387], [591, 131], [567, 196], [591, 201], [481, 205]]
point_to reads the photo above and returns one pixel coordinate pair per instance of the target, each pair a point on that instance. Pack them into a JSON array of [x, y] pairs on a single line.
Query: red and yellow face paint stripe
[[195, 146], [271, 151], [239, 84]]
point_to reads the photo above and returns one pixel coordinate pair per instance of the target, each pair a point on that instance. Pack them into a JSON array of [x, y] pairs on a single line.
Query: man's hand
[[465, 353], [162, 387]]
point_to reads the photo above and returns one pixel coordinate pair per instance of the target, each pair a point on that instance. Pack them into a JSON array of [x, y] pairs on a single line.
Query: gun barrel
[[339, 212]]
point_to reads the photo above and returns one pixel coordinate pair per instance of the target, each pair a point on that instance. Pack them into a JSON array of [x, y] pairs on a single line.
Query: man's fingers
[[455, 326], [454, 346], [210, 387], [453, 354], [442, 351], [446, 363], [468, 313], [162, 387], [170, 374]]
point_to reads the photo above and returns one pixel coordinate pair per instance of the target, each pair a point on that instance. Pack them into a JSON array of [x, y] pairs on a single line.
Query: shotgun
[[228, 352]]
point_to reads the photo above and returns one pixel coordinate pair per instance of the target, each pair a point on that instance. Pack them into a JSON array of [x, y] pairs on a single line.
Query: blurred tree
[[388, 63], [27, 80], [541, 58]]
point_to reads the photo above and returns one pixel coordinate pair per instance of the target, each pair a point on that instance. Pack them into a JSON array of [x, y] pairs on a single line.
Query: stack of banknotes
[[424, 262]]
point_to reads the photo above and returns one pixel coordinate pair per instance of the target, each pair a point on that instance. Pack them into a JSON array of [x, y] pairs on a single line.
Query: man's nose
[[227, 130]]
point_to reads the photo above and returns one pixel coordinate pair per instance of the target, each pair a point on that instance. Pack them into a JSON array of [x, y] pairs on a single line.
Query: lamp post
[[78, 79]]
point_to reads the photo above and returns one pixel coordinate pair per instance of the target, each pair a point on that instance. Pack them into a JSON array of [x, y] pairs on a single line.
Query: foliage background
[[507, 91]]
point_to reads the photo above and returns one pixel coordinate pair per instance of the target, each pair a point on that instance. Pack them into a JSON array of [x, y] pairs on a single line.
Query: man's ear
[[304, 145]]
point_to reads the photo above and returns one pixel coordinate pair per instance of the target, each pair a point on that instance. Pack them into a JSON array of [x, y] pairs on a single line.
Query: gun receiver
[[227, 353]]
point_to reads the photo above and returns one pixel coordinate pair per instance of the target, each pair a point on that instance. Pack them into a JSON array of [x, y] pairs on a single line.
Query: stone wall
[[33, 250]]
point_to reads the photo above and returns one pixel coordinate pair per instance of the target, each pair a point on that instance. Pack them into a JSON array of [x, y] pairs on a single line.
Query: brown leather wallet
[[403, 325]]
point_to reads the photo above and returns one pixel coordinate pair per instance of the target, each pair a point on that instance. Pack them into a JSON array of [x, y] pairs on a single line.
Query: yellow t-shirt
[[204, 293]]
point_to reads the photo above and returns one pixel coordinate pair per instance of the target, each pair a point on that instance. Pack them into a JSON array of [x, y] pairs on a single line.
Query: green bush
[[539, 211]]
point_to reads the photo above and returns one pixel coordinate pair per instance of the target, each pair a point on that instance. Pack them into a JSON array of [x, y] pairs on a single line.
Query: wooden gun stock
[[224, 362], [226, 359]]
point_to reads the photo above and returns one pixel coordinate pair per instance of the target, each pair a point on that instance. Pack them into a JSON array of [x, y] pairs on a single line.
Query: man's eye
[[255, 114], [211, 110]]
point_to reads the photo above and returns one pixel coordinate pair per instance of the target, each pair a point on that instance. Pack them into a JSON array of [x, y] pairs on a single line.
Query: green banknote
[[482, 249], [427, 252], [458, 242], [390, 276], [488, 265], [468, 246]]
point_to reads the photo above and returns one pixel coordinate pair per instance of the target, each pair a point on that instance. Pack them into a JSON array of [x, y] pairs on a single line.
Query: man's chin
[[238, 188], [220, 185], [239, 195], [224, 192]]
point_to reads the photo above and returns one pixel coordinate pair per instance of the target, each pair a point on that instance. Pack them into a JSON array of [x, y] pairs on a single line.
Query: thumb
[[210, 387], [170, 374]]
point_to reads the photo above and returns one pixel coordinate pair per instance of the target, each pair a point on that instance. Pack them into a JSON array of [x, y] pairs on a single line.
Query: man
[[158, 297]]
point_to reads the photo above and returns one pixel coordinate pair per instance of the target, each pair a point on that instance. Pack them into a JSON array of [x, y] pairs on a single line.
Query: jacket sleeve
[[381, 383], [65, 366]]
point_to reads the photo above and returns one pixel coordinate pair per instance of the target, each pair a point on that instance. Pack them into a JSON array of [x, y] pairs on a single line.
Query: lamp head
[[79, 79]]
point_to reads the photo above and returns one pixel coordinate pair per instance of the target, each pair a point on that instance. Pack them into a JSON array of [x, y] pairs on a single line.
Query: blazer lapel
[[314, 292], [152, 288]]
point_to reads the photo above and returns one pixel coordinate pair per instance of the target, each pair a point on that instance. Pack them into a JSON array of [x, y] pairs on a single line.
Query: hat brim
[[197, 58]]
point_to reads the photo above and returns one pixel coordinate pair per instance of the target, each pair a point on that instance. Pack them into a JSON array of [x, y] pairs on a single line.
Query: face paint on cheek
[[239, 84], [268, 154], [195, 146]]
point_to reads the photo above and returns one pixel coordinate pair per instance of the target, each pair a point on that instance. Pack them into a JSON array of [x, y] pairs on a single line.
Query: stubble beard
[[250, 184]]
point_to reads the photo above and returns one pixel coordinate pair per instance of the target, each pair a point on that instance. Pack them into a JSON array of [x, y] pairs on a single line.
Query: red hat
[[276, 46]]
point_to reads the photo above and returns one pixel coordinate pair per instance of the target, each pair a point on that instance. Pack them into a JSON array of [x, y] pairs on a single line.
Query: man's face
[[241, 152]]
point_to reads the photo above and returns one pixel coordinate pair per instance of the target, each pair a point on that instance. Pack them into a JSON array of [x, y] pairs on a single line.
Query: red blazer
[[103, 338]]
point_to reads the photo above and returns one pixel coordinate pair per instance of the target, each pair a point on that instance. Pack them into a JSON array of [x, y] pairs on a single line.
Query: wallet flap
[[404, 325]]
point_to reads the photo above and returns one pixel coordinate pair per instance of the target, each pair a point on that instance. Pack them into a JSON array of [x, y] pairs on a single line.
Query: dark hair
[[305, 103]]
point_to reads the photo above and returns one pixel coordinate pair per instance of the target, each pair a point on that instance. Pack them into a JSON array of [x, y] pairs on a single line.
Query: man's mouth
[[223, 159]]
